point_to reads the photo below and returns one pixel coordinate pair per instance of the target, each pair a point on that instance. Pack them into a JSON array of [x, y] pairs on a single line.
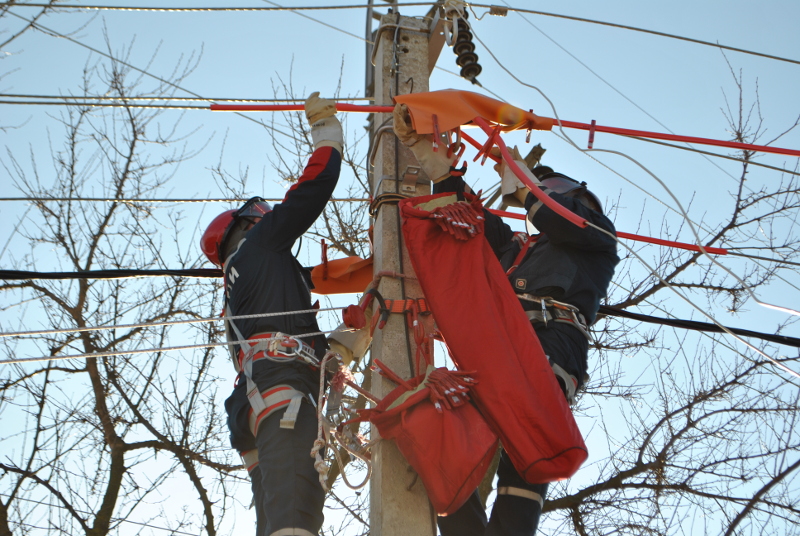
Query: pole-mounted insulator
[[464, 49]]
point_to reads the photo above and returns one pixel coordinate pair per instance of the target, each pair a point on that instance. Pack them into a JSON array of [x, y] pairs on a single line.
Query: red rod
[[535, 190], [630, 236], [675, 137], [344, 107]]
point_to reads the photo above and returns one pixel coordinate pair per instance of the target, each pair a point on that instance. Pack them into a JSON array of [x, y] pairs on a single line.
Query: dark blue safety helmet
[[568, 186]]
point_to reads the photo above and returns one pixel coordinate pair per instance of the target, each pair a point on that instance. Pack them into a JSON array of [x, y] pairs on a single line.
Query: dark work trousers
[[513, 515], [286, 489]]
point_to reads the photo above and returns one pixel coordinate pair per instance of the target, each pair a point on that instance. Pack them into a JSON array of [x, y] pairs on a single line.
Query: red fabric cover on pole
[[450, 450], [486, 330]]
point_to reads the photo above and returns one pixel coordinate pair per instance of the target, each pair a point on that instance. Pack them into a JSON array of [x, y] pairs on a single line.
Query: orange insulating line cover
[[454, 108], [348, 275], [630, 236]]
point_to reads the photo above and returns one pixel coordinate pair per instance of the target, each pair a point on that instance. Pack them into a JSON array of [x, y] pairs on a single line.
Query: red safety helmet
[[218, 232], [564, 185]]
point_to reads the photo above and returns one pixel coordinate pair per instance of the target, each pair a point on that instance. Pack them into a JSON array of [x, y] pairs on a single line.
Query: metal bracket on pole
[[410, 179]]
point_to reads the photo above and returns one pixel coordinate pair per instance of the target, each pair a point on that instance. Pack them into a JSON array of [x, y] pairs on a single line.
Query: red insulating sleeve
[[535, 190], [676, 137], [630, 236]]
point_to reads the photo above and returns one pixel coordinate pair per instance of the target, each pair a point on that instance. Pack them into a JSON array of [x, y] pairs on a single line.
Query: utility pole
[[403, 58]]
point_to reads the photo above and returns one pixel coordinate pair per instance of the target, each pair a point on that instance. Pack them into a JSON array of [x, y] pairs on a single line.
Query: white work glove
[[436, 165], [326, 130], [514, 190]]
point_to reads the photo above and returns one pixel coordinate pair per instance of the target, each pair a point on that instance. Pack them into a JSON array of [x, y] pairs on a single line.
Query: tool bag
[[486, 330], [444, 438]]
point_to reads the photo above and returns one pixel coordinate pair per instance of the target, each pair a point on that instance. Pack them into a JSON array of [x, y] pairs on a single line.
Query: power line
[[164, 98], [643, 30], [495, 9], [163, 323], [163, 200], [209, 9], [698, 326], [54, 33]]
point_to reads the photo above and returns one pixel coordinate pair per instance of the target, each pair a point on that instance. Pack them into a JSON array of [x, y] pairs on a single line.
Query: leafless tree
[[95, 445]]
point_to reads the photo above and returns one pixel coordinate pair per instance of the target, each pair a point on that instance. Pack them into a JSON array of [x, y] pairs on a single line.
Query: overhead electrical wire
[[163, 199], [692, 225], [162, 323], [493, 10], [212, 272], [206, 9], [746, 287], [609, 84], [495, 59], [54, 33]]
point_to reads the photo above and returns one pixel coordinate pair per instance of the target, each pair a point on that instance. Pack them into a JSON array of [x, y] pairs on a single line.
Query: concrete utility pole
[[403, 58]]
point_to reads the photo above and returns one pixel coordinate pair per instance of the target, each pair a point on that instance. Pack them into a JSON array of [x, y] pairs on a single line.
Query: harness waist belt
[[279, 347], [556, 311]]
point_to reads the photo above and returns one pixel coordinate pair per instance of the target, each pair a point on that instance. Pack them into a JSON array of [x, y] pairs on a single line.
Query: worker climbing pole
[[399, 505]]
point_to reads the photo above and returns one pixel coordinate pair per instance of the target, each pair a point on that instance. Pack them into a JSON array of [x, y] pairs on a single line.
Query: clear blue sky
[[587, 71]]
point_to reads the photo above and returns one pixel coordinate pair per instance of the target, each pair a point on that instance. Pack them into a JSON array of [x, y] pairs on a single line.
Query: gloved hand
[[342, 350], [514, 190], [326, 130], [436, 165]]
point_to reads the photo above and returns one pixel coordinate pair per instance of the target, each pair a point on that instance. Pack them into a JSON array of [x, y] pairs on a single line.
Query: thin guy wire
[[56, 34], [164, 323]]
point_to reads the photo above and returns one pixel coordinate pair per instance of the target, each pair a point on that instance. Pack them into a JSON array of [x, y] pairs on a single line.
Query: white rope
[[321, 440], [683, 213], [164, 323], [150, 350]]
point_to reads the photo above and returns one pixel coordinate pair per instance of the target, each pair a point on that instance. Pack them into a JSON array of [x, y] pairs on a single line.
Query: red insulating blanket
[[486, 330], [450, 449]]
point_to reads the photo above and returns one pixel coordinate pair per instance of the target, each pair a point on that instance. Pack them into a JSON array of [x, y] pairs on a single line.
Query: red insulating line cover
[[630, 236], [676, 137]]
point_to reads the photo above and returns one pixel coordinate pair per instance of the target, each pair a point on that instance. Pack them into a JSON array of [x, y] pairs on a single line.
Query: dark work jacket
[[262, 275]]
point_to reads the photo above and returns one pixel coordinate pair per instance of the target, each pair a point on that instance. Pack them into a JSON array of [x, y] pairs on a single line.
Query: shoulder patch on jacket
[[520, 283]]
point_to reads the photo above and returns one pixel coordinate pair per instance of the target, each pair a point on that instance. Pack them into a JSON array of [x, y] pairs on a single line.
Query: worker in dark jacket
[[560, 276], [272, 421]]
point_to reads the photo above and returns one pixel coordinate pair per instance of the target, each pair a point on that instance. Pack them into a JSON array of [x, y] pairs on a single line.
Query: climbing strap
[[556, 311], [249, 459], [273, 399], [570, 382], [525, 242], [524, 493]]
